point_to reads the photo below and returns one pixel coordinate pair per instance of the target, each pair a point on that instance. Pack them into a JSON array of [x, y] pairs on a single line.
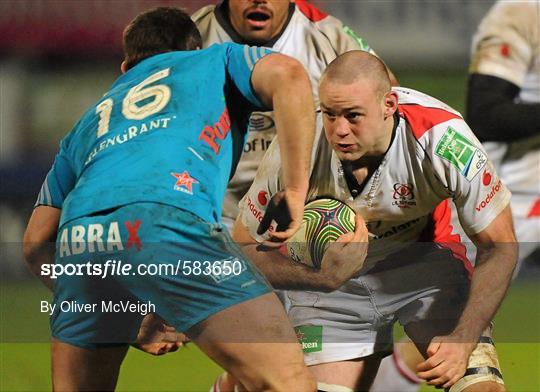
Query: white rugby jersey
[[433, 156], [312, 37], [507, 45]]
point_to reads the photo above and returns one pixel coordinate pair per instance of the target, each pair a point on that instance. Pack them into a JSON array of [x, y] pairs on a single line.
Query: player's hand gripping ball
[[325, 220]]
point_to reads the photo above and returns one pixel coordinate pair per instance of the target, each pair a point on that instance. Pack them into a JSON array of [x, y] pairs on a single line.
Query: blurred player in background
[[503, 107], [394, 155], [162, 140]]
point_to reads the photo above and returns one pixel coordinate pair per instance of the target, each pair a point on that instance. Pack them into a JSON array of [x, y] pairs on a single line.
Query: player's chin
[[347, 156]]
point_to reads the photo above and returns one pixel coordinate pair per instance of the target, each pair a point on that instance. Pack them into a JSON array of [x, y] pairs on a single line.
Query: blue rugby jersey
[[170, 131]]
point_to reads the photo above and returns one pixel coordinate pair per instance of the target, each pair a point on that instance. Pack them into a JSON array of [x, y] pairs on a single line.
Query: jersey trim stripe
[[422, 119]]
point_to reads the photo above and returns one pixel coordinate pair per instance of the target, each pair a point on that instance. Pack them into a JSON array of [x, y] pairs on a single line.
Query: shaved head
[[355, 65]]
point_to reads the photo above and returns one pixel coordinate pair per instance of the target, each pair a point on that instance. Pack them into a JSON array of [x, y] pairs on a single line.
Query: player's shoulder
[[204, 13], [325, 27], [511, 17], [423, 113]]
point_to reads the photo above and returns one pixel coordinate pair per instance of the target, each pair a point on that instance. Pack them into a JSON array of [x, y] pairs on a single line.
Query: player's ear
[[390, 103], [123, 67]]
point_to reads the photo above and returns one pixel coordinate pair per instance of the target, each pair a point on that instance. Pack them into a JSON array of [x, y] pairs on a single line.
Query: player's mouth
[[258, 17], [344, 147]]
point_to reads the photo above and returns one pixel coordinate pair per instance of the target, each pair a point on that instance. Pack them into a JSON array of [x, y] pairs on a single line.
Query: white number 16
[[160, 93]]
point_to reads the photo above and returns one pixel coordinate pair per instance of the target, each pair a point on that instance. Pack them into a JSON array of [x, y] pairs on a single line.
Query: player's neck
[[362, 169], [385, 141]]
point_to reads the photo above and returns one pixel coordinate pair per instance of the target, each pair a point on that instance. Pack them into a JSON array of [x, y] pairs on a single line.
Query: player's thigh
[[354, 375], [76, 368], [255, 342], [438, 291]]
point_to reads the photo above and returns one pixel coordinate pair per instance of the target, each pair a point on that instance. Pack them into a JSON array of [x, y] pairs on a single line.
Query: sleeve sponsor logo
[[505, 50], [257, 214], [486, 178], [494, 190], [461, 153], [262, 198]]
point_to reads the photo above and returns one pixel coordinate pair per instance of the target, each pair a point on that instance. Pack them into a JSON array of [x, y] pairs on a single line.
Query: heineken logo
[[461, 153], [310, 337]]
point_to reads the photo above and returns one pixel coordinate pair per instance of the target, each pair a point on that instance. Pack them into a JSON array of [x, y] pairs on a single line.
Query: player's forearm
[[285, 274], [39, 240], [37, 254], [294, 115], [491, 278], [282, 83]]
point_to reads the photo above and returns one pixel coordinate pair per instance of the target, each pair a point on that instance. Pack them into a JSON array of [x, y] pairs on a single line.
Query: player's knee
[[292, 379]]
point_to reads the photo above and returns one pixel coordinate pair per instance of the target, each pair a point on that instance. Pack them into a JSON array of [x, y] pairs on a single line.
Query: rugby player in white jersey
[[394, 155], [503, 107]]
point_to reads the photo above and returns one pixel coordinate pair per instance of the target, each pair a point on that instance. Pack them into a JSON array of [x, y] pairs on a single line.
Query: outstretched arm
[[282, 83]]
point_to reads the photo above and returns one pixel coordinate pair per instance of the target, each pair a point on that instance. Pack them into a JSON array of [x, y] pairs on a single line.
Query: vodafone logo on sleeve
[[486, 178], [494, 190], [262, 198]]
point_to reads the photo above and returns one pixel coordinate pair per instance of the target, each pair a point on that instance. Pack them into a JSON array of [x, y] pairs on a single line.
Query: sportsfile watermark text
[[113, 267]]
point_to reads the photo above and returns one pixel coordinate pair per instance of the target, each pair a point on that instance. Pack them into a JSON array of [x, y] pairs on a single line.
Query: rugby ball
[[325, 220]]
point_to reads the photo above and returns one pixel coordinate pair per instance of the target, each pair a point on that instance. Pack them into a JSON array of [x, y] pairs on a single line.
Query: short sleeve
[[241, 60], [59, 181], [266, 184], [462, 165], [502, 45]]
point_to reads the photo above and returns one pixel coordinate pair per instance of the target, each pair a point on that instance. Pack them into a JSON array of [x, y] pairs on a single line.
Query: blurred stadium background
[[58, 56]]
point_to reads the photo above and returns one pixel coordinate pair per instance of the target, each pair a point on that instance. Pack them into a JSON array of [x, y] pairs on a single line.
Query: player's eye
[[353, 116], [329, 115]]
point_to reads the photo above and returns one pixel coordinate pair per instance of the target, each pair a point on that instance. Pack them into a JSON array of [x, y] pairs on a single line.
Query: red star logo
[[184, 180], [300, 335]]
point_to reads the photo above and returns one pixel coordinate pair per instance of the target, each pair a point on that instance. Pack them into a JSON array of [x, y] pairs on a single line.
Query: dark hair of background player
[[159, 30]]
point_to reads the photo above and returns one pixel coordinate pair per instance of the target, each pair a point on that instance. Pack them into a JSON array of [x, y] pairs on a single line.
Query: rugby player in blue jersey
[[139, 181]]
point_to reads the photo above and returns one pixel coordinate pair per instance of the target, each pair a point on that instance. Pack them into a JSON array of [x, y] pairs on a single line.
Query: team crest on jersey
[[461, 153], [403, 195], [184, 182]]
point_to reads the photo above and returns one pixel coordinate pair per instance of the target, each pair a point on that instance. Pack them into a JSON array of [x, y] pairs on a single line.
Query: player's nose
[[341, 127]]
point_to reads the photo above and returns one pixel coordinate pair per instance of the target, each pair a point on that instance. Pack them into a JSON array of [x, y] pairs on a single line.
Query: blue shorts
[[115, 267]]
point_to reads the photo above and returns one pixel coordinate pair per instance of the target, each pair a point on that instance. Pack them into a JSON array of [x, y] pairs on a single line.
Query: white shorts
[[424, 288]]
